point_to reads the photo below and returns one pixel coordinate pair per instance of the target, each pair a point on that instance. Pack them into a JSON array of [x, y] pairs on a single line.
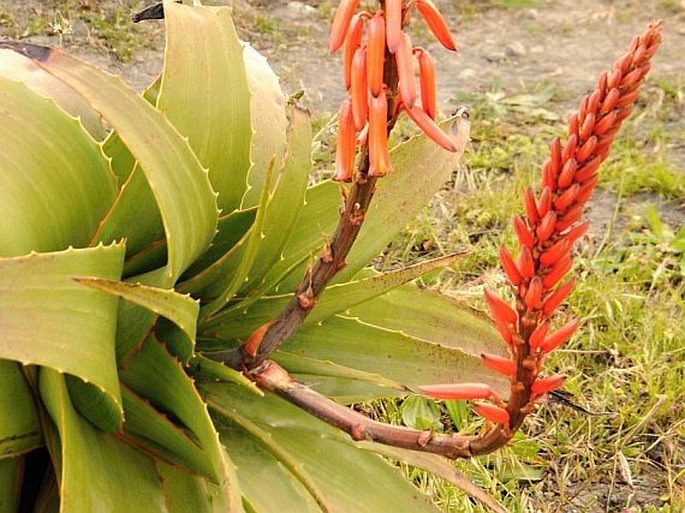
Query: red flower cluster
[[546, 235], [364, 67]]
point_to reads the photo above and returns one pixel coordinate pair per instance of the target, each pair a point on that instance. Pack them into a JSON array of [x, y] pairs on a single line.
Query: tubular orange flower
[[545, 385], [359, 93], [379, 159], [493, 413], [352, 42], [427, 81], [375, 40], [538, 336], [405, 70], [341, 22], [557, 297], [533, 294], [393, 23], [525, 263], [344, 157], [425, 123], [560, 336], [500, 310], [458, 391], [499, 364], [509, 266], [436, 23]]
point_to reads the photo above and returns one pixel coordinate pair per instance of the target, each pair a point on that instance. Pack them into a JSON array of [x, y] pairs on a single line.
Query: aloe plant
[[160, 350]]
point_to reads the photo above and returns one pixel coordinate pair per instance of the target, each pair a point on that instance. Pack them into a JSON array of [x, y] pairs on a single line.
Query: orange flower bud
[[587, 189], [577, 232], [557, 297], [627, 99], [509, 266], [555, 156], [610, 100], [341, 22], [345, 152], [545, 385], [525, 262], [614, 78], [557, 272], [425, 123], [546, 227], [359, 93], [492, 413], [604, 124], [588, 125], [593, 101], [533, 294], [570, 217], [405, 70], [436, 23], [538, 336], [499, 309], [457, 391], [586, 149], [555, 253], [531, 207], [427, 82], [569, 147], [499, 364], [544, 203], [522, 233], [352, 43], [560, 336], [587, 170], [567, 173], [567, 197], [393, 23], [375, 40], [379, 158], [573, 125]]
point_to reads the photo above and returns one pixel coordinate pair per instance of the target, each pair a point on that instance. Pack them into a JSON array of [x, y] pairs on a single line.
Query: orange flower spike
[[436, 23], [359, 93], [393, 23], [500, 310], [379, 158], [405, 70], [352, 42], [499, 364], [375, 40], [493, 413], [345, 152], [560, 336], [341, 23], [427, 81], [425, 123], [458, 391], [509, 266], [557, 297], [545, 385]]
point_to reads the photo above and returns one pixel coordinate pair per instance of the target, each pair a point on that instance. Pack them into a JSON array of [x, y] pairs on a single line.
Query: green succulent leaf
[[116, 476], [296, 445], [56, 184], [221, 136], [51, 320], [179, 183], [10, 483], [19, 430]]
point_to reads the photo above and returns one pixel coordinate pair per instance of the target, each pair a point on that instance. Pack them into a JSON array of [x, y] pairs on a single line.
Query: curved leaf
[[304, 446], [205, 94], [178, 181], [268, 119], [49, 319], [117, 477], [56, 183], [19, 429]]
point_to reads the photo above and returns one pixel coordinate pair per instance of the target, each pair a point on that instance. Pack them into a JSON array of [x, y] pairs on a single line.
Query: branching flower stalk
[[378, 72], [546, 235]]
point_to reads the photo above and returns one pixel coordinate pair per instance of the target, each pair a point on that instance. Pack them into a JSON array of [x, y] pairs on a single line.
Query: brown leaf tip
[[34, 52]]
